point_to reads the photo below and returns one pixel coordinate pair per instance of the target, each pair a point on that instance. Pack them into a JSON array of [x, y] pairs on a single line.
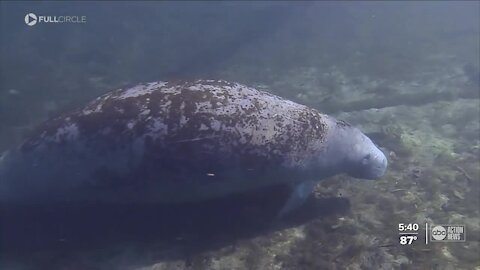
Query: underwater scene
[[231, 135]]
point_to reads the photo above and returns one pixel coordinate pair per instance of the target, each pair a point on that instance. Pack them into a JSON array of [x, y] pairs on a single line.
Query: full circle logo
[[31, 19], [439, 233]]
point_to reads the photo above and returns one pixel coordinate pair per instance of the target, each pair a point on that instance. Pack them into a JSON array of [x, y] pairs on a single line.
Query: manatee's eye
[[366, 159]]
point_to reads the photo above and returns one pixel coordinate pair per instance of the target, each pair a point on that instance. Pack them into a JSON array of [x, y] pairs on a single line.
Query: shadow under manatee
[[50, 237]]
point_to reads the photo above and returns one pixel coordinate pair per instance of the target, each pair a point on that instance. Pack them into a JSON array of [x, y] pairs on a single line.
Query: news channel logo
[[32, 19], [448, 233]]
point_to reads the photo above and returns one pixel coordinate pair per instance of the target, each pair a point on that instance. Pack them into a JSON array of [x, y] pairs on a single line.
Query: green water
[[406, 73]]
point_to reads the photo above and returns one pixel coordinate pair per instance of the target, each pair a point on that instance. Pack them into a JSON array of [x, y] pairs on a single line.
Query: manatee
[[186, 141]]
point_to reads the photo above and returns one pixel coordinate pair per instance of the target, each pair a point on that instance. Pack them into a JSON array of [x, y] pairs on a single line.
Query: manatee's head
[[361, 157]]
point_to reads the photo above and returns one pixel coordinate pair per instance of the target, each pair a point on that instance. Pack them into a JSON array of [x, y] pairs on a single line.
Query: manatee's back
[[173, 136]]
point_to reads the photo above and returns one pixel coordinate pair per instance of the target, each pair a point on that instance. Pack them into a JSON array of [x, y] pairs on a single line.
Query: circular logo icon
[[439, 233], [31, 19]]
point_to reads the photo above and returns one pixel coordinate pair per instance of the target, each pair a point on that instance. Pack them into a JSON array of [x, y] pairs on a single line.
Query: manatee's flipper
[[298, 196]]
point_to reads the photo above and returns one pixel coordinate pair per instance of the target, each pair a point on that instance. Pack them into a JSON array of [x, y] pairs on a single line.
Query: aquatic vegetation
[[399, 71]]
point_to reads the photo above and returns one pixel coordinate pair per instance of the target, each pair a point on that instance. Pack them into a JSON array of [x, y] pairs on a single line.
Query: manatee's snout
[[367, 161]]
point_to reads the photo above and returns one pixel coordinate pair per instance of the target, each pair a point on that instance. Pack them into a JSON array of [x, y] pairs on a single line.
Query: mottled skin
[[182, 141]]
